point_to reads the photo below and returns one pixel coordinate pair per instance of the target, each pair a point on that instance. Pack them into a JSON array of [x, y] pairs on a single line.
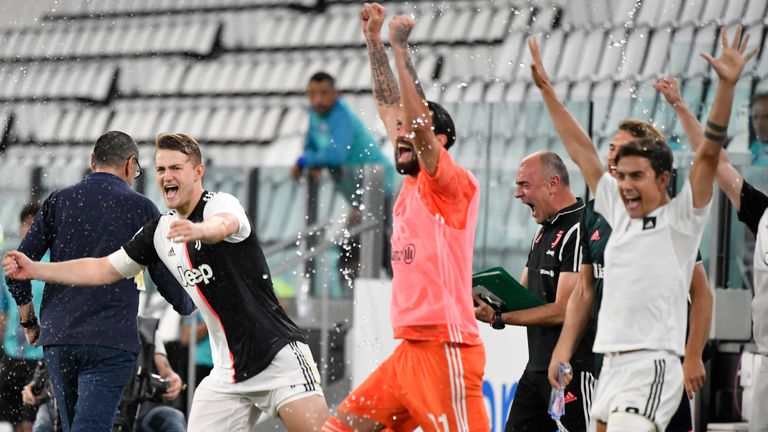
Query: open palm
[[731, 62], [540, 77]]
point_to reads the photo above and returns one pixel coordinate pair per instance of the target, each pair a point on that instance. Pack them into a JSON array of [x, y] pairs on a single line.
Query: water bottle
[[557, 397]]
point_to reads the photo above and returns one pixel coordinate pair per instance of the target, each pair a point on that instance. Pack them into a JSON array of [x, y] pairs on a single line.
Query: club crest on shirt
[[557, 239]]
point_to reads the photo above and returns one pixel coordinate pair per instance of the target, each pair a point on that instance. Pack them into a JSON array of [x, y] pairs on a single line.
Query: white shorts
[[647, 383], [758, 421], [219, 405]]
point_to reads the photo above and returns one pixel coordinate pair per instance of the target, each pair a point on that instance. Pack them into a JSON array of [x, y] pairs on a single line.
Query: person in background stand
[[20, 357], [759, 119], [338, 140]]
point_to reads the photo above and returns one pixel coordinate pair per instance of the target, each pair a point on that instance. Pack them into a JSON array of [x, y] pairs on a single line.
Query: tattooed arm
[[417, 116], [383, 83]]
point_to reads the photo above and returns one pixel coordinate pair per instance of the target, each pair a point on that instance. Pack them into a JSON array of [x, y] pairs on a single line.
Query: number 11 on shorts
[[442, 419]]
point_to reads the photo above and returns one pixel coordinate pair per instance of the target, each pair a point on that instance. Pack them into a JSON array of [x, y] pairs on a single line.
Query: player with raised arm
[[641, 324], [587, 296], [434, 378], [751, 205]]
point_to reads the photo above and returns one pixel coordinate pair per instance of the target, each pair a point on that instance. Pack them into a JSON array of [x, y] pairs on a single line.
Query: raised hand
[[399, 29], [731, 62], [668, 87], [371, 19], [540, 77], [17, 266]]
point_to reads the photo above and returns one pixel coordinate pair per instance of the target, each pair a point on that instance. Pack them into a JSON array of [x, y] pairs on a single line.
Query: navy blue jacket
[[93, 218]]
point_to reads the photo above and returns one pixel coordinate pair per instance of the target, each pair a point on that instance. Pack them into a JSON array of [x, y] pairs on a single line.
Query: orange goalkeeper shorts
[[435, 385]]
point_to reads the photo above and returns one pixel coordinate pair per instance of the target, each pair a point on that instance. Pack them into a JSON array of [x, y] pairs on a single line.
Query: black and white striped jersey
[[229, 282]]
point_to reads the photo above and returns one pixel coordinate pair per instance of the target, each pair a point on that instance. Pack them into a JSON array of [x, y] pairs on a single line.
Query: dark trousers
[[88, 381], [531, 402], [163, 418]]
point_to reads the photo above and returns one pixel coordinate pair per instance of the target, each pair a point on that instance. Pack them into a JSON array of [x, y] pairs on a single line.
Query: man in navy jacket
[[90, 337]]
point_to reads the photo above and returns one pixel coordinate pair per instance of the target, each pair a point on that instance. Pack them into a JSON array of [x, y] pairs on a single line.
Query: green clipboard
[[502, 292]]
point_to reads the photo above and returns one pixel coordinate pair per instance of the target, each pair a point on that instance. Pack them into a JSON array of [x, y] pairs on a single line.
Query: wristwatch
[[498, 322], [30, 323]]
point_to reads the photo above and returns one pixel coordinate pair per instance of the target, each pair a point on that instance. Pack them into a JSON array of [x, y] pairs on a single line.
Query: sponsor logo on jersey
[[406, 255], [649, 223], [550, 253], [597, 271], [198, 245], [208, 195], [570, 397], [550, 273], [192, 277], [171, 252], [595, 236]]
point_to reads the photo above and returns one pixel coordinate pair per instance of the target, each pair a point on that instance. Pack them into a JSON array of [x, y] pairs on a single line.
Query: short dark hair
[[442, 123], [657, 152], [323, 76], [113, 149], [762, 96], [553, 166], [180, 143], [30, 209], [642, 129]]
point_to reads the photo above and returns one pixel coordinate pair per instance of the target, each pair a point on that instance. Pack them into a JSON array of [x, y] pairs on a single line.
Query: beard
[[410, 167]]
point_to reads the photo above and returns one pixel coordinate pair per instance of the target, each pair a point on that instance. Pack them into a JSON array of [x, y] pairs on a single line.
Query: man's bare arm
[[550, 314], [577, 143], [694, 372], [577, 316], [383, 83], [729, 180], [728, 66], [417, 116], [212, 230], [79, 272]]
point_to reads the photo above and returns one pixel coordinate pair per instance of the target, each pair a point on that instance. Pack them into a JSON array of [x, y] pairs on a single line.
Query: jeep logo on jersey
[[195, 276], [406, 255]]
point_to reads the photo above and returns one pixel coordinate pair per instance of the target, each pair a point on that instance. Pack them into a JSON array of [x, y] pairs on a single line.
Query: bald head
[[543, 184]]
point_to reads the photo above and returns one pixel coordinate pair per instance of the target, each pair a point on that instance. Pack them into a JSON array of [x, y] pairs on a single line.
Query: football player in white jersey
[[649, 257], [751, 205]]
